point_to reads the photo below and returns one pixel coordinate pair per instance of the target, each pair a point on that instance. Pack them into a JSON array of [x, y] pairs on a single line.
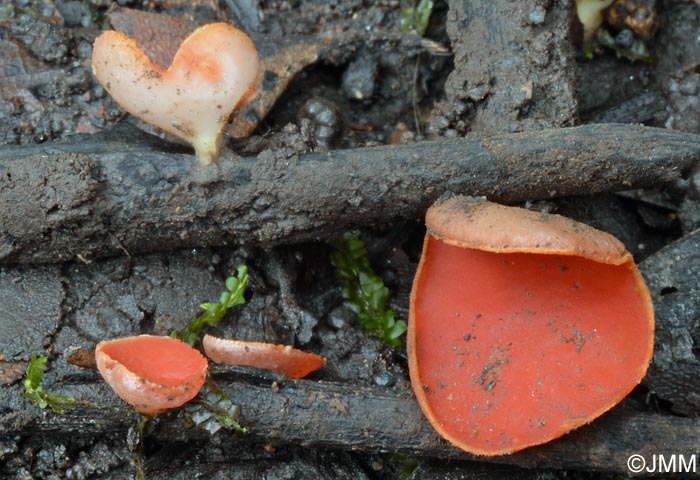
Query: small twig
[[138, 457], [155, 201], [414, 96]]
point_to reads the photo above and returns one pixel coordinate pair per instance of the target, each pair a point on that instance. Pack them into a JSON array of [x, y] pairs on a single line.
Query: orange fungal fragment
[[292, 362], [522, 326]]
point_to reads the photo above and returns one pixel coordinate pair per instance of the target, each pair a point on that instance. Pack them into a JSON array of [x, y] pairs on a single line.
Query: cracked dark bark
[[94, 198], [341, 416]]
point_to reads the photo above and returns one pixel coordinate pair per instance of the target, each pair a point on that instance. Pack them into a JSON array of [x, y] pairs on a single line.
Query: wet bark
[[672, 275], [520, 75], [348, 417], [97, 197]]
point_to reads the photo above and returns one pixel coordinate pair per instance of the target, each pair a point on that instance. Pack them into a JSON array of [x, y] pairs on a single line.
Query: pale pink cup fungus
[[212, 74]]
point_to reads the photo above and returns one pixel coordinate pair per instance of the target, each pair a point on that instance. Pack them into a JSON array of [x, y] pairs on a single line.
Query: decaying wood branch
[[672, 274], [318, 414], [506, 86], [88, 199]]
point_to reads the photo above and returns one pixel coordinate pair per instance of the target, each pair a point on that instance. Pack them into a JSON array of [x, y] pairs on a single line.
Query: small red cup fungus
[[523, 325], [279, 358], [154, 374], [212, 74]]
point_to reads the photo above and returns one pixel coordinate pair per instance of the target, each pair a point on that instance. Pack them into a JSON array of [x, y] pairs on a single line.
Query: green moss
[[214, 312], [417, 18], [636, 52], [34, 391], [364, 291]]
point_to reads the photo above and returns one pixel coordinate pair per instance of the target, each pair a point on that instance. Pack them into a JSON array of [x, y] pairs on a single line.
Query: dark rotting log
[[92, 198], [342, 416], [672, 276]]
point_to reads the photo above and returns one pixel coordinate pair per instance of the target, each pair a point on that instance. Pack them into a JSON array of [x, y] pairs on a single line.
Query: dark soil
[[368, 85]]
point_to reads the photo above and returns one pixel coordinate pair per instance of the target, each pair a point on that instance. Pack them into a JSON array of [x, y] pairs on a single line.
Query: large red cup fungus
[[212, 74], [154, 374], [523, 325], [268, 356]]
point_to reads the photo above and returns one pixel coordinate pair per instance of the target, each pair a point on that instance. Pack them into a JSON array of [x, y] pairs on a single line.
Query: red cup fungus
[[151, 373], [523, 325], [212, 74], [292, 362]]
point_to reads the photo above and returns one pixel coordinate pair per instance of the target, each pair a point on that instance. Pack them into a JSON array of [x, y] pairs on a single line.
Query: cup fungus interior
[[510, 350], [161, 360]]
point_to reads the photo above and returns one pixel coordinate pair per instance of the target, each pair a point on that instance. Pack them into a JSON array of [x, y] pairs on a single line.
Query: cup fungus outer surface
[[292, 362], [212, 74], [522, 326], [151, 373]]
